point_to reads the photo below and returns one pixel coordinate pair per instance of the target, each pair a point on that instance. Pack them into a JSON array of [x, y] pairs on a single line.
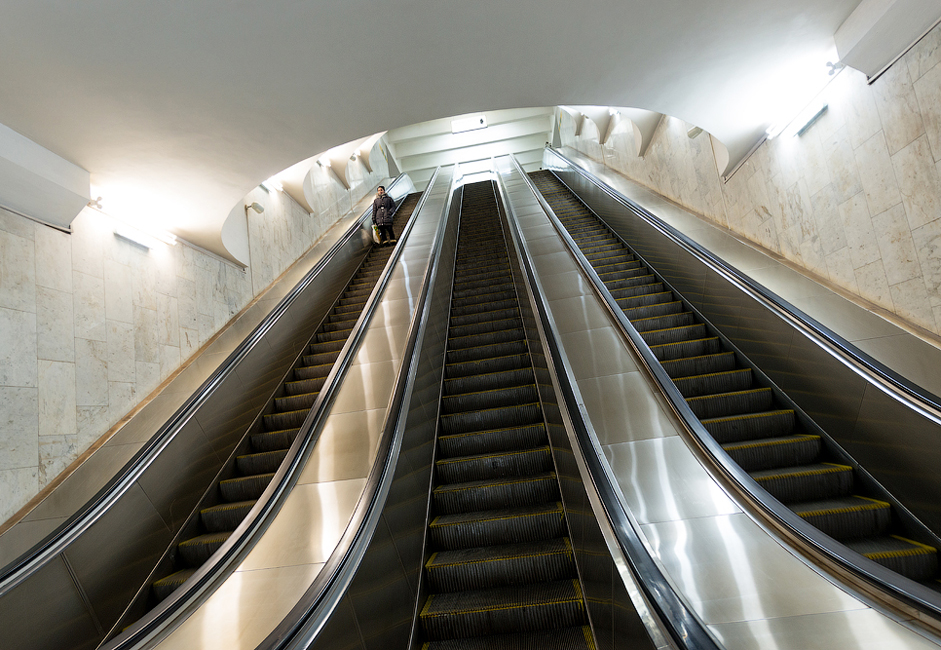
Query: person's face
[[380, 191]]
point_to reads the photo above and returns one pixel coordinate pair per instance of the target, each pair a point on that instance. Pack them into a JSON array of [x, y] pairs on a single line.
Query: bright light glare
[[135, 214], [272, 184]]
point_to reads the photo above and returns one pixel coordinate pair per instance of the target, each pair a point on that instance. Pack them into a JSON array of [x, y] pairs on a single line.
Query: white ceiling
[[184, 107]]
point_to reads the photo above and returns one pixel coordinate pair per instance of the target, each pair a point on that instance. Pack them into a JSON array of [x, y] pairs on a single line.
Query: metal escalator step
[[751, 426], [489, 494], [571, 638], [313, 371], [339, 335], [674, 334], [847, 518], [493, 287], [339, 323], [645, 300], [318, 347], [499, 566], [503, 610], [197, 550], [630, 271], [624, 293], [244, 488], [606, 271], [484, 327], [768, 453], [910, 558], [469, 403], [225, 516], [496, 418], [494, 465], [455, 388], [469, 287], [320, 357], [651, 311], [266, 462], [487, 338], [487, 366], [485, 316], [715, 382], [681, 349], [806, 482], [635, 280], [487, 351], [166, 586], [295, 402], [302, 386], [724, 404], [483, 306], [491, 297], [486, 276], [701, 365], [272, 440], [493, 440], [285, 420]]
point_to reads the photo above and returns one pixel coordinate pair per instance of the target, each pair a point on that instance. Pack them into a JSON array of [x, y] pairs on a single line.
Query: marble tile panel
[[19, 485], [842, 272], [189, 342], [91, 373], [148, 377], [910, 301], [187, 311], [927, 240], [56, 398], [858, 230], [120, 352], [54, 325], [919, 183], [119, 303], [813, 162], [144, 287], [88, 307], [55, 454], [122, 397], [146, 339], [877, 174], [18, 362], [207, 327], [928, 91], [168, 320], [92, 422], [841, 162], [873, 284], [169, 360], [862, 116], [925, 55], [898, 108], [17, 225], [19, 428], [204, 284], [186, 263], [17, 272], [827, 216], [895, 243], [53, 259]]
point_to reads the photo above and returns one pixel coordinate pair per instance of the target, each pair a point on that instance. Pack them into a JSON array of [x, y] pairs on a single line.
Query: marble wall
[[91, 324], [856, 200]]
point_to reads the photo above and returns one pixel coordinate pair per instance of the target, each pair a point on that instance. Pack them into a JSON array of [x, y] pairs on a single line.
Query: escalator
[[755, 423], [501, 572], [261, 453]]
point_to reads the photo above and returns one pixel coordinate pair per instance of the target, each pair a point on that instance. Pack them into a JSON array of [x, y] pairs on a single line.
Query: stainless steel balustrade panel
[[820, 384]]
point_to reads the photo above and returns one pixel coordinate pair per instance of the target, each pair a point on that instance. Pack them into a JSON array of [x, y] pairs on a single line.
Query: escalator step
[[225, 516], [495, 493], [651, 311], [503, 610], [244, 488], [497, 566], [286, 420], [319, 347], [484, 327], [674, 334], [737, 428], [295, 402], [644, 300], [488, 365], [480, 316], [842, 519], [496, 418], [487, 338], [477, 299], [487, 351], [786, 451], [724, 404], [314, 371], [166, 586], [664, 322], [474, 292], [339, 335], [681, 349], [572, 638], [481, 307], [266, 462], [806, 483], [306, 385], [197, 550], [493, 440], [717, 382], [908, 557], [272, 440], [702, 365], [479, 467], [488, 399], [319, 358]]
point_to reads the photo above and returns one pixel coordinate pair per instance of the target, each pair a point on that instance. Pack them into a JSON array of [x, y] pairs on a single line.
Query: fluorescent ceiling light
[[272, 184], [135, 236]]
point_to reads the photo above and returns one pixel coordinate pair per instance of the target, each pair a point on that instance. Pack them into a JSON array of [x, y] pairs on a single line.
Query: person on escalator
[[383, 207]]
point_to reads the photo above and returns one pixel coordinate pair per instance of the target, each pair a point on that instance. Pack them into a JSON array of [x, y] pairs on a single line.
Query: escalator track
[[267, 444], [501, 573], [757, 426]]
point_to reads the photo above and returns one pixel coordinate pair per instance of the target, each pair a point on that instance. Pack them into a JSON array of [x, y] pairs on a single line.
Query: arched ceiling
[[184, 107]]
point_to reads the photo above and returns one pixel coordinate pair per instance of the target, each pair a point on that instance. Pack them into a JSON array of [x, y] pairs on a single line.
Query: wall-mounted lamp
[[323, 162], [833, 68], [694, 133], [257, 207], [272, 184], [95, 203]]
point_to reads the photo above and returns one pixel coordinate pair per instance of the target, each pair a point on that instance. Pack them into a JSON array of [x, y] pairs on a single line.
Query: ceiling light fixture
[[323, 161], [134, 236], [272, 184]]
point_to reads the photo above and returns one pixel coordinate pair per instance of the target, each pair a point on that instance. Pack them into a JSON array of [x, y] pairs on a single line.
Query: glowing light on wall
[[128, 212], [799, 97]]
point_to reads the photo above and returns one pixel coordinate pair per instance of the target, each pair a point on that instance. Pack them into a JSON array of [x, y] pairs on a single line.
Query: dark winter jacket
[[383, 208]]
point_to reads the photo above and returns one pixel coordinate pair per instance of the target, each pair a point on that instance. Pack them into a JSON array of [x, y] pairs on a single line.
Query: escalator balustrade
[[760, 432], [279, 427], [502, 571]]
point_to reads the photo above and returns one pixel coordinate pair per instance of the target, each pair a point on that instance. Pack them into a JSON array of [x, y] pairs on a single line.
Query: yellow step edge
[[832, 469], [663, 345], [519, 481], [512, 452], [753, 391], [748, 416], [800, 437], [558, 510], [876, 505]]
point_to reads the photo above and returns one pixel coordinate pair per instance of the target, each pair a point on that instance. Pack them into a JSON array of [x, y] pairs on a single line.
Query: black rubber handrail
[[302, 625], [269, 503], [681, 623], [915, 397], [55, 542], [906, 591]]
